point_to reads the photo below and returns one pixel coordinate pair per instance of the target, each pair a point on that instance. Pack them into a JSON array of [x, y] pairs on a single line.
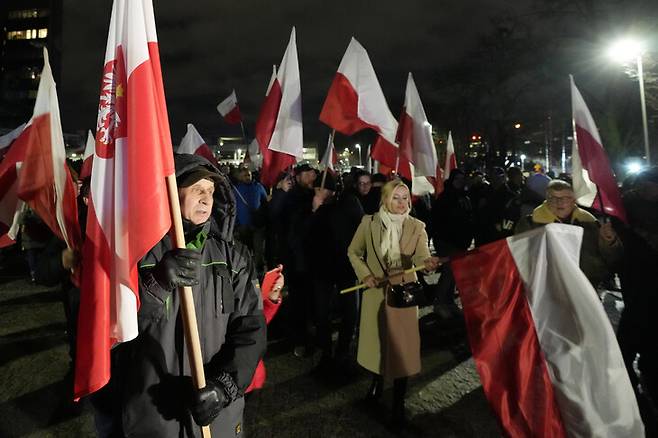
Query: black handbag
[[406, 295]]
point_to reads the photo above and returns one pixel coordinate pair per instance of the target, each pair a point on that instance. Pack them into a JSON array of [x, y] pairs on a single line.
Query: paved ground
[[446, 400]]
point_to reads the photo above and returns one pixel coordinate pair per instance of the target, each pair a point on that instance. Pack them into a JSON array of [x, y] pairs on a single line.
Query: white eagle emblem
[[108, 119]]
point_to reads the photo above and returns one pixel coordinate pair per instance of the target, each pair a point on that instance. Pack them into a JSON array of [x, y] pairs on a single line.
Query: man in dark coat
[[152, 392]]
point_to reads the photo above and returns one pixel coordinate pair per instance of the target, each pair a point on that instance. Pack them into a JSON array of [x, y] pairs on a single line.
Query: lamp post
[[358, 146], [622, 51], [522, 162]]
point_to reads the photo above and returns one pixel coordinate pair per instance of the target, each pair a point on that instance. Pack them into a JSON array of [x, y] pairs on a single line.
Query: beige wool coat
[[389, 338]]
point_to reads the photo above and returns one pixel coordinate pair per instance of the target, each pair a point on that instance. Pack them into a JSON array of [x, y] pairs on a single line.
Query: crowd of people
[[324, 232]]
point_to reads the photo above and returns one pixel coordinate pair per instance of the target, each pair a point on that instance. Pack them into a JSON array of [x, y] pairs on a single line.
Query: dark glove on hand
[[207, 403], [178, 267]]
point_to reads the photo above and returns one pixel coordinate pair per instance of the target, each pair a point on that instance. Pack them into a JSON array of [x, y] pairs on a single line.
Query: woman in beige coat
[[389, 340]]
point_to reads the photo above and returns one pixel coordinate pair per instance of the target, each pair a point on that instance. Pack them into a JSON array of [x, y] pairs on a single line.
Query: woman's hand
[[371, 281], [275, 293], [432, 263]]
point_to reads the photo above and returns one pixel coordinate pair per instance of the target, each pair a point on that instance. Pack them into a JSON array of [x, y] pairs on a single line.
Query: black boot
[[376, 389], [399, 391]]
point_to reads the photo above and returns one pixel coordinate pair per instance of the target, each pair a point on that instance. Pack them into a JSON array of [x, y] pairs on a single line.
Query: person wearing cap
[[153, 387]]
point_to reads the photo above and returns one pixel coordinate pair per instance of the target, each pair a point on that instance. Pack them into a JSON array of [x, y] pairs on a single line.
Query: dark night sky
[[209, 47]]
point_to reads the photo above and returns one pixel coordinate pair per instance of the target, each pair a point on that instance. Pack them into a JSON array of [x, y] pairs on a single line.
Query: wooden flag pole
[[190, 327], [363, 285]]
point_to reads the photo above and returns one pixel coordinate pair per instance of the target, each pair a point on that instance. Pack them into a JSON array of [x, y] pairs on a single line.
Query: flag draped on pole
[[35, 170], [128, 205], [546, 353], [229, 109], [355, 101], [591, 170], [415, 133], [279, 124], [451, 158], [88, 157], [193, 143], [8, 138], [329, 159]]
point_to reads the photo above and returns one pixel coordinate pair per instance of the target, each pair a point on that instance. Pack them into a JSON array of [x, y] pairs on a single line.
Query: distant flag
[[415, 134], [547, 355], [35, 170], [229, 109], [591, 170], [193, 143], [355, 101], [329, 159], [88, 157], [279, 124], [451, 158], [128, 201]]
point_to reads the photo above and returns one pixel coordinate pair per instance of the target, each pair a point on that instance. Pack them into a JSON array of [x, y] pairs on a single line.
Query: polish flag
[[35, 170], [545, 350], [229, 109], [88, 157], [10, 206], [355, 101], [8, 138], [591, 170], [279, 124], [193, 143], [128, 203], [451, 158], [415, 133], [329, 159]]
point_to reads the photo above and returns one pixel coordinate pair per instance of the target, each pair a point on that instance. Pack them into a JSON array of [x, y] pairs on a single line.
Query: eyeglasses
[[560, 199]]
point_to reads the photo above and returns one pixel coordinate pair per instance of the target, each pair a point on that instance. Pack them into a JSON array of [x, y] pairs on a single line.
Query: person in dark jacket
[[152, 381]]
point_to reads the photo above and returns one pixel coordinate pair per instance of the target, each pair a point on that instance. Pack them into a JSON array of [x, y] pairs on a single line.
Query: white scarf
[[391, 234]]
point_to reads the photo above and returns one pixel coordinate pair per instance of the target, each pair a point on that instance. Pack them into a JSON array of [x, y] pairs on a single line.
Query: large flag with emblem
[[594, 182], [128, 203], [543, 345]]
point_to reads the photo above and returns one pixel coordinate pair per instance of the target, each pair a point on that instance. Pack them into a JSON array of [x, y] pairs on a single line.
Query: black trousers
[[325, 295]]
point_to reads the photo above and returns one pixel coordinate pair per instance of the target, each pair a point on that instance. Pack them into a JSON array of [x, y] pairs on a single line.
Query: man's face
[[306, 179], [561, 203], [196, 201], [364, 184], [245, 176]]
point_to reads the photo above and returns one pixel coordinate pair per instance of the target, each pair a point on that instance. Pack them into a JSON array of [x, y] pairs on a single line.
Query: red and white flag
[[543, 345], [193, 143], [593, 179], [88, 157], [451, 158], [355, 101], [35, 170], [279, 124], [10, 205], [8, 138], [128, 203], [229, 109], [329, 159]]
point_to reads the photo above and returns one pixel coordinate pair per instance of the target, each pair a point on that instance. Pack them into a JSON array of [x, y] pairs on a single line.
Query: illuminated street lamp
[[623, 51], [358, 146], [522, 162]]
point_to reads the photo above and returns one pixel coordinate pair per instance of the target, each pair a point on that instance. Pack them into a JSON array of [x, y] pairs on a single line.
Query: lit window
[[43, 33]]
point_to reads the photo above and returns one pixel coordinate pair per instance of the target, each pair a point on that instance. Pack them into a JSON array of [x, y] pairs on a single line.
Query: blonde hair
[[387, 193]]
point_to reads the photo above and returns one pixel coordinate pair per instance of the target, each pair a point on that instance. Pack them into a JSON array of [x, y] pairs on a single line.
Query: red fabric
[[8, 177], [233, 117], [86, 167], [504, 343], [6, 241], [595, 161], [36, 182], [269, 310], [143, 125], [387, 154], [273, 162], [205, 152], [340, 109]]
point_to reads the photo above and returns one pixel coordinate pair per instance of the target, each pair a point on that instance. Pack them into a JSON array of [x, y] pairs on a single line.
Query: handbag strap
[[372, 241]]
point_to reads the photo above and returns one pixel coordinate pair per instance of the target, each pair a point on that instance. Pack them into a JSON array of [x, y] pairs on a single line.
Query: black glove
[[207, 403], [178, 267]]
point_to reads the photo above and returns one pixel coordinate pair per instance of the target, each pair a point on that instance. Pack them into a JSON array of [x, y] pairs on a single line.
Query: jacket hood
[[223, 210]]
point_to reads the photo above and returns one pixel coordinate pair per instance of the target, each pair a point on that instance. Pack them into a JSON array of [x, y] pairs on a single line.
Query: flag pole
[[190, 327], [329, 144], [363, 285], [244, 134]]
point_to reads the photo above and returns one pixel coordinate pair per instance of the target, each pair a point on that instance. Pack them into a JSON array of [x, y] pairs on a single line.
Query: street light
[[358, 146], [623, 51], [522, 162]]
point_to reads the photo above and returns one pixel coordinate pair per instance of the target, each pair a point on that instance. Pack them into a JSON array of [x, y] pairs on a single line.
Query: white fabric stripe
[[450, 151], [591, 384], [423, 151], [127, 24], [90, 147], [288, 135], [9, 137], [227, 105], [191, 141], [372, 106]]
